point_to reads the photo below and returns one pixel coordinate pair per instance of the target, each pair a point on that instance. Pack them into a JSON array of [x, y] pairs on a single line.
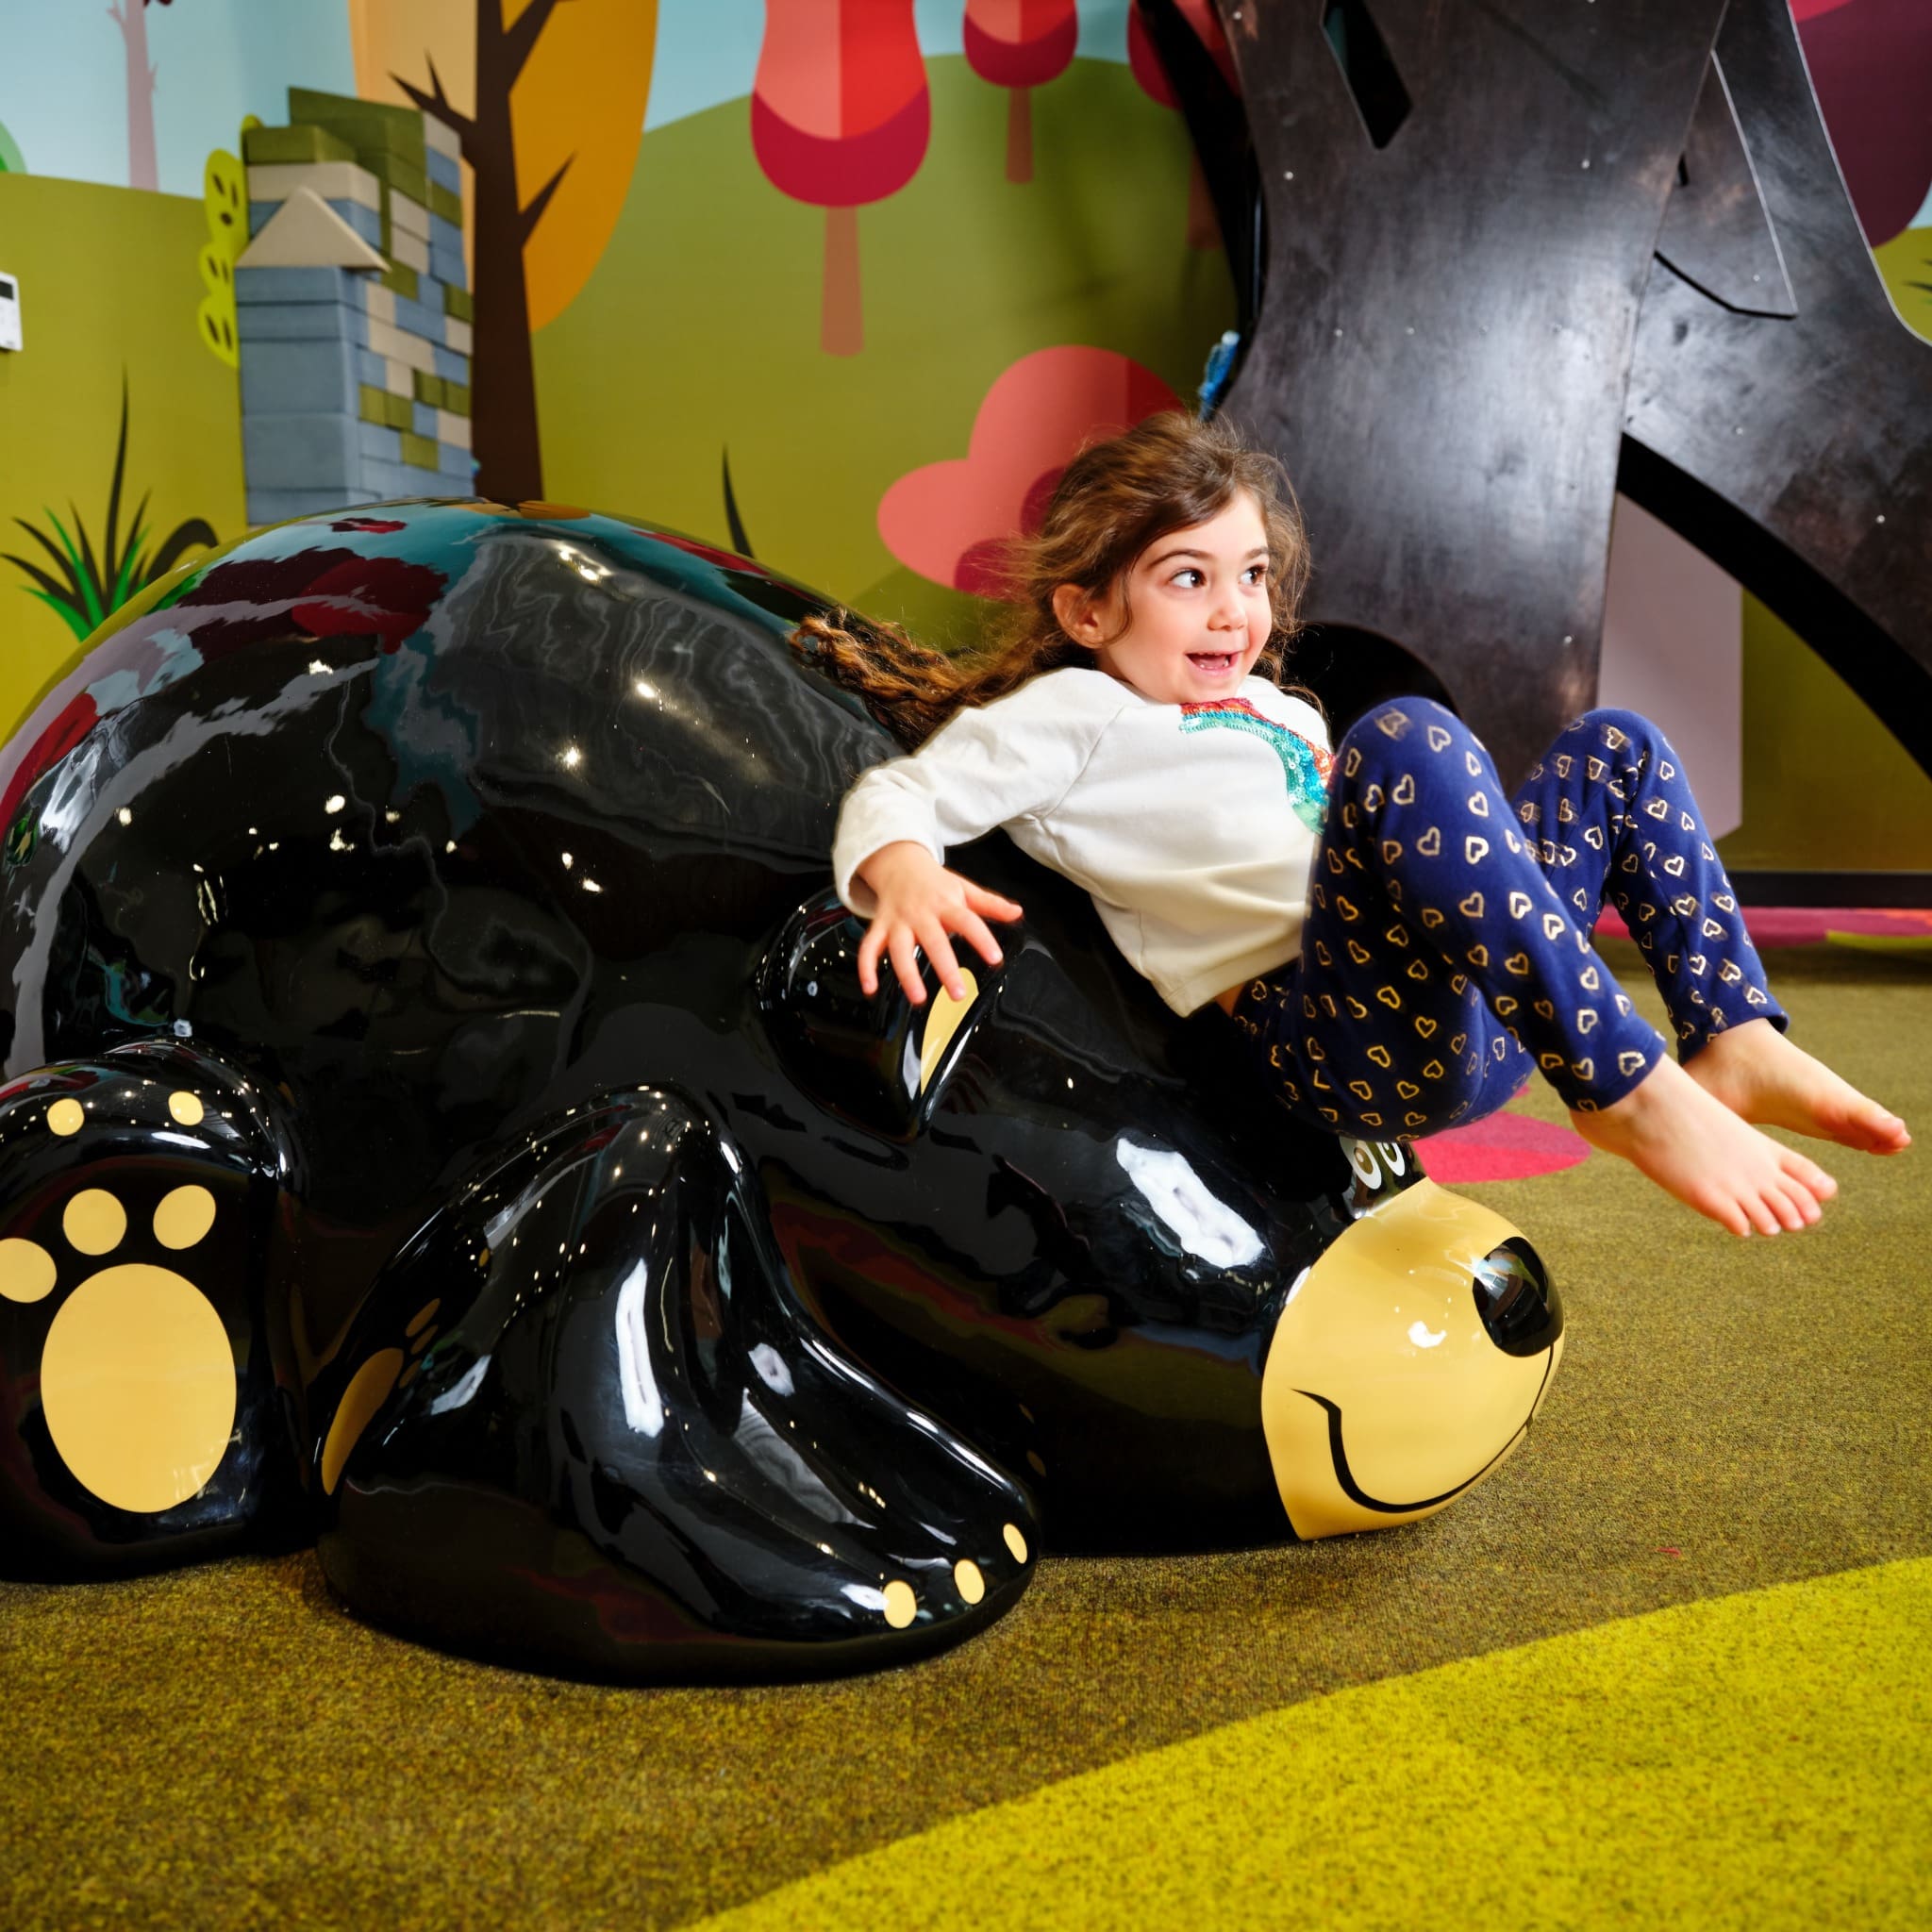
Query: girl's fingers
[[897, 936], [990, 904], [870, 949], [939, 952], [971, 926], [906, 965]]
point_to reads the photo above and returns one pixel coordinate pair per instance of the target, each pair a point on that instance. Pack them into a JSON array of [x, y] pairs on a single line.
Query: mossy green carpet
[[1672, 1664]]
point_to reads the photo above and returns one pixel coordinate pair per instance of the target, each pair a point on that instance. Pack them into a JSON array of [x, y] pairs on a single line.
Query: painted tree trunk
[[1019, 134], [841, 327], [509, 453], [132, 19]]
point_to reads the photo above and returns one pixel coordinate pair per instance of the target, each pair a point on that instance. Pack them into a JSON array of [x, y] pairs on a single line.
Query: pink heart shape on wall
[[951, 521]]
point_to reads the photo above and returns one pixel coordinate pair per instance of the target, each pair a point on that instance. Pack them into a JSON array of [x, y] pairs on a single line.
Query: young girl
[[1396, 940]]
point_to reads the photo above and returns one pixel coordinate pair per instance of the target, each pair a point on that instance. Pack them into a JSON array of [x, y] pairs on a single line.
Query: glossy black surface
[[613, 1284], [608, 1281]]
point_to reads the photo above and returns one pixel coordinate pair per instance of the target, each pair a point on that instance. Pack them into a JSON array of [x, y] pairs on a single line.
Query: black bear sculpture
[[441, 1120]]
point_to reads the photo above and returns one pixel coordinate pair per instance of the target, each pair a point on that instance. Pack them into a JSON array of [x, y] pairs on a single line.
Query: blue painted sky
[[707, 50], [63, 88], [63, 79]]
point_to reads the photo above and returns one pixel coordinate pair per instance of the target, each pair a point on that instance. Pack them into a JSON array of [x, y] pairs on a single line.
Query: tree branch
[[438, 104], [518, 41], [527, 219]]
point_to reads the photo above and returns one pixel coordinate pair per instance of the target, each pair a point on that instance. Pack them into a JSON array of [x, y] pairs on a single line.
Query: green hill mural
[[699, 333]]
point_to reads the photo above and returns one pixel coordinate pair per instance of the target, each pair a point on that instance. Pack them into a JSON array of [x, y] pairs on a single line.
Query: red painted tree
[[1204, 229], [1020, 44], [839, 117]]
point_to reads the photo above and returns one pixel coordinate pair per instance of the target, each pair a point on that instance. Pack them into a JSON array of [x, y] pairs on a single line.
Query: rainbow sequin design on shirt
[[1306, 767]]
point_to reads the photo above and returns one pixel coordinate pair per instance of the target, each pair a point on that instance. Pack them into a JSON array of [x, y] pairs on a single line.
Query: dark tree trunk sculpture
[[1454, 309], [1793, 447], [1446, 320]]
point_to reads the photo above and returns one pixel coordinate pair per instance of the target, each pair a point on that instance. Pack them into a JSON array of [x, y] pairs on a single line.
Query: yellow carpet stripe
[[1758, 1760]]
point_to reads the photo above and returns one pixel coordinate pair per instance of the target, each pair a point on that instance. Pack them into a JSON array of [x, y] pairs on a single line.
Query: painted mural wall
[[842, 285]]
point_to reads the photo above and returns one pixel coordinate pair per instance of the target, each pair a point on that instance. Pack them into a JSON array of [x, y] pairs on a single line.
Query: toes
[[1808, 1175], [1722, 1208], [1884, 1133]]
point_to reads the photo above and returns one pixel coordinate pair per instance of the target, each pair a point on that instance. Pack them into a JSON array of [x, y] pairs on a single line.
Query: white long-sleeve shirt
[[1193, 826]]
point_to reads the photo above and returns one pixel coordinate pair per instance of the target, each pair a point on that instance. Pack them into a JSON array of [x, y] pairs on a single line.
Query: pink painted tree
[[1020, 45], [1204, 228], [130, 16], [839, 117]]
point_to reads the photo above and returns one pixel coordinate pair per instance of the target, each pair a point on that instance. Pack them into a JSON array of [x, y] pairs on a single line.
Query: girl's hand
[[920, 902]]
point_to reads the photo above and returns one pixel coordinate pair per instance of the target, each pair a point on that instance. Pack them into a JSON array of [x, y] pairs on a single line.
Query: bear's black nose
[[1517, 1299]]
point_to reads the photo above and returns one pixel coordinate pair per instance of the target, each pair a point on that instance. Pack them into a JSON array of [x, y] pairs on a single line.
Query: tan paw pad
[[136, 1371]]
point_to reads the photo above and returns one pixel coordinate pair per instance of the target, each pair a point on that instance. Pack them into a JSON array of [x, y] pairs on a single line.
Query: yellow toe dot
[[422, 1315], [1015, 1541], [369, 1389], [970, 1584], [184, 1216], [66, 1116], [94, 1221], [26, 1271], [901, 1604], [186, 1108]]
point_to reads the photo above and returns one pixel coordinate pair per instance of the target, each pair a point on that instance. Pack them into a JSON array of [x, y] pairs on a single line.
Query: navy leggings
[[1446, 951]]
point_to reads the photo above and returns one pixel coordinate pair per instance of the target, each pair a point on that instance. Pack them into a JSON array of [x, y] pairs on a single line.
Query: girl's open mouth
[[1213, 662]]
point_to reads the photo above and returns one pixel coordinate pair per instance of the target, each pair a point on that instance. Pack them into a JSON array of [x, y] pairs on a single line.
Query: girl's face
[[1199, 610]]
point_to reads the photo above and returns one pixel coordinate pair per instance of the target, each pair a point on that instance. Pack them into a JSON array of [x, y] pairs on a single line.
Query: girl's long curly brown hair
[[1113, 500]]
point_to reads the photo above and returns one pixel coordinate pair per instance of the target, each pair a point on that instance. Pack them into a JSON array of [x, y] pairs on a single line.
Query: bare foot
[[1667, 1127], [1761, 1076]]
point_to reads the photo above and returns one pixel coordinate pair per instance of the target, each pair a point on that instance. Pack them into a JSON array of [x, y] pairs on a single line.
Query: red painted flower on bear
[[951, 521]]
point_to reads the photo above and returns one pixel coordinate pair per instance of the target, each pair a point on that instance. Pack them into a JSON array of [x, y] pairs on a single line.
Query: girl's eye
[[1190, 576], [1257, 572]]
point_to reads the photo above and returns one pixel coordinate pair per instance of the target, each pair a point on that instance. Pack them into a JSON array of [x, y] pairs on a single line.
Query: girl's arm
[[989, 766]]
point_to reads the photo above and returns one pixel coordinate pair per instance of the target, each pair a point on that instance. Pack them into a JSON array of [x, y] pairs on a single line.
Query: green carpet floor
[[1674, 1662]]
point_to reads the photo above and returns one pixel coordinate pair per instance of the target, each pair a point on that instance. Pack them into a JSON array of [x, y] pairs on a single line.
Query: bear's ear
[[876, 1059]]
